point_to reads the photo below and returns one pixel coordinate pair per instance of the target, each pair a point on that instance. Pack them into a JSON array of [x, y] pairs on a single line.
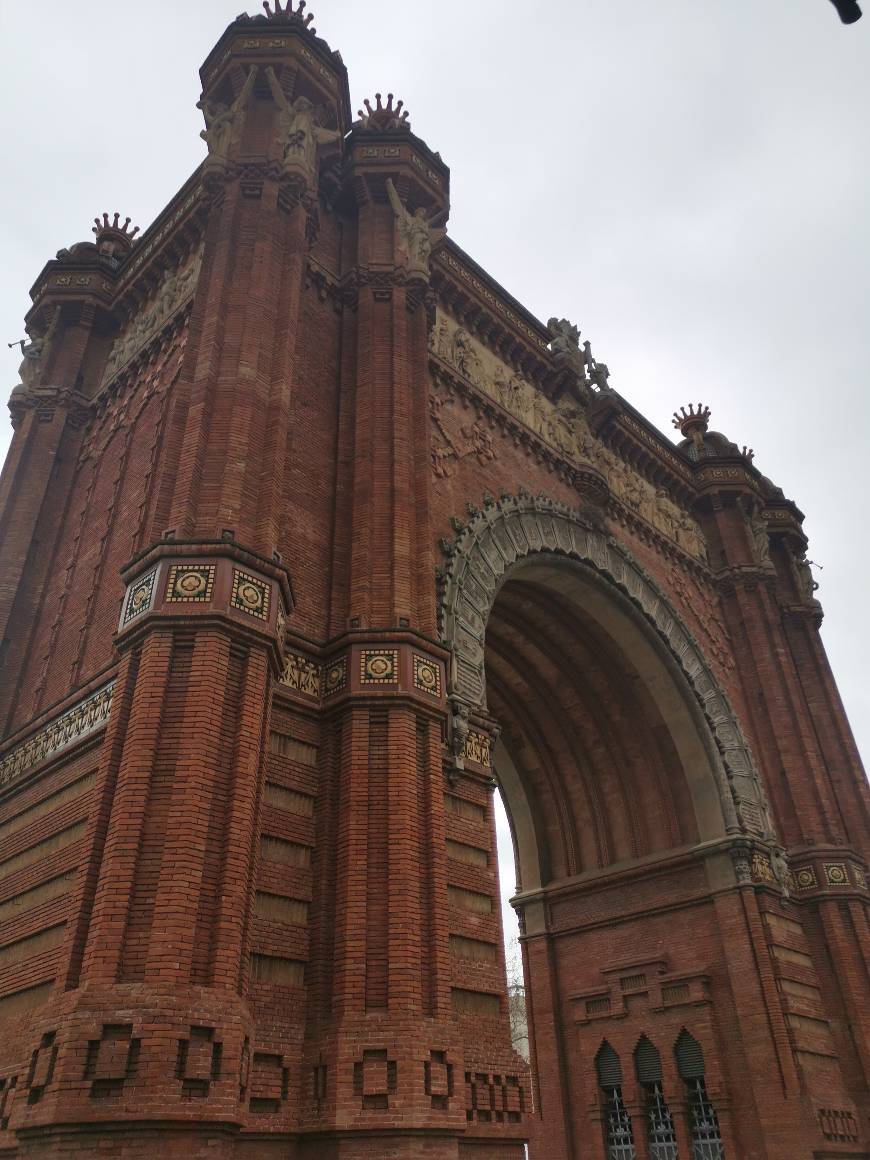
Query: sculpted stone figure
[[459, 725], [806, 584], [600, 376], [299, 133], [781, 871], [465, 357], [416, 235], [32, 353], [441, 341], [223, 123], [760, 541], [565, 345]]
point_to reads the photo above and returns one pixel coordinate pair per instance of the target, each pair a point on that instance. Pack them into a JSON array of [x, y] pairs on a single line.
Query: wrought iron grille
[[620, 1139], [706, 1137], [660, 1125]]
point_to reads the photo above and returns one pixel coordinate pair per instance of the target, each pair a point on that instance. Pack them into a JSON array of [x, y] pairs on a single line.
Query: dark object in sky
[[848, 10]]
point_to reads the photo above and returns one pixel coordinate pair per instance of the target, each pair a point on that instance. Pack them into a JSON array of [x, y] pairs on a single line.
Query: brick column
[[160, 946], [49, 412]]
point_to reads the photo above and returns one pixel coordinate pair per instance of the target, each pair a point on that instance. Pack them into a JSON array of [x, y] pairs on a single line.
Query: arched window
[[703, 1121], [659, 1122], [617, 1123]]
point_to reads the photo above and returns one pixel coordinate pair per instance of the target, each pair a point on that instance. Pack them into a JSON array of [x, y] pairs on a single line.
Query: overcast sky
[[686, 179]]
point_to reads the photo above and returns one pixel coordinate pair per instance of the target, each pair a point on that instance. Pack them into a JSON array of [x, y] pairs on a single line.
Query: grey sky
[[686, 179]]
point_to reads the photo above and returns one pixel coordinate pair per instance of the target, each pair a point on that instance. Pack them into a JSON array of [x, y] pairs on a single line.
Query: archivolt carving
[[511, 529]]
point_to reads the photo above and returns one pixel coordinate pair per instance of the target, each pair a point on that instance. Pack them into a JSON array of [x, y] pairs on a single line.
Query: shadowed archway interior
[[604, 757]]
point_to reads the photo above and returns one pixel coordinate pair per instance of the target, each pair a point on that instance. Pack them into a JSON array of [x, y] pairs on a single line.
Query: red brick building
[[311, 532]]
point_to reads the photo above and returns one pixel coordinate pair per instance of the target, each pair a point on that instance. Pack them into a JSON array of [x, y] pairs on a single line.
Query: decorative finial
[[693, 423], [289, 13], [105, 226], [114, 239], [383, 118]]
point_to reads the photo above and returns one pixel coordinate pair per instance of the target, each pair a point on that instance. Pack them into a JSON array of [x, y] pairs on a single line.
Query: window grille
[[659, 1122], [660, 1125], [617, 1122], [620, 1138], [706, 1137], [704, 1123]]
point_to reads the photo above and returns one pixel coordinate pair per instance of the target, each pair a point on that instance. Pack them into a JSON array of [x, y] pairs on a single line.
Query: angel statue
[[416, 235], [299, 133], [223, 123], [33, 351]]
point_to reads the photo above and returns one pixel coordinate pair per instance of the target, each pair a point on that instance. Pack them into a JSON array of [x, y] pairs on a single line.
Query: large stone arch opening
[[625, 776], [602, 756]]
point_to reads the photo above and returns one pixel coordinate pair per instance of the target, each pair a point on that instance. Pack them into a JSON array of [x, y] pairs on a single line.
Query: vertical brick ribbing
[[107, 779], [246, 761], [215, 836], [143, 746], [428, 957], [152, 843], [378, 862], [351, 861]]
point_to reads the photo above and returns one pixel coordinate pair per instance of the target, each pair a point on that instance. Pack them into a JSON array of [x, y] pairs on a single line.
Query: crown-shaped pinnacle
[[384, 117], [104, 226], [692, 424], [288, 12], [702, 415]]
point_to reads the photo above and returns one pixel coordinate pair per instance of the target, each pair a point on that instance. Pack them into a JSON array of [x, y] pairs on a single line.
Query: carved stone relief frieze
[[563, 425], [455, 439], [174, 290]]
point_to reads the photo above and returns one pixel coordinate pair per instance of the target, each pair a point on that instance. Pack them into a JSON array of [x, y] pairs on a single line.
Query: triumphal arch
[[313, 537]]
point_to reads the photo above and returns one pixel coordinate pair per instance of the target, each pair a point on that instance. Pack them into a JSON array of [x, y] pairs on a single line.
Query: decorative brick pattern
[[494, 1098], [8, 1090], [438, 1079], [42, 1064], [335, 677], [427, 675], [836, 874], [805, 878], [140, 597], [270, 1083], [250, 595], [375, 1079], [112, 1060], [189, 585], [839, 1125], [379, 666], [199, 1061]]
